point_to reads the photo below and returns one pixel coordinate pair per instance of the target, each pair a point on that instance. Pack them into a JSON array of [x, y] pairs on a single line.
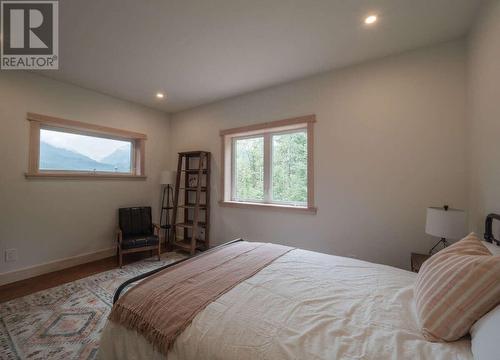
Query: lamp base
[[443, 241]]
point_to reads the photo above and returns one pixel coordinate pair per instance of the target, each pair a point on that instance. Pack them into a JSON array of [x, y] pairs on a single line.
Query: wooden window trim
[[269, 206], [227, 135], [38, 122]]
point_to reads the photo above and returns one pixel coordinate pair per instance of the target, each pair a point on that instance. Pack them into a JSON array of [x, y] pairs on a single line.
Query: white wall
[[47, 220], [484, 115], [389, 142]]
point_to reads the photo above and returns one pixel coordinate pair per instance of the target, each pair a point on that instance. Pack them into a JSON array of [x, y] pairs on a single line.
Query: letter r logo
[[17, 29], [28, 27]]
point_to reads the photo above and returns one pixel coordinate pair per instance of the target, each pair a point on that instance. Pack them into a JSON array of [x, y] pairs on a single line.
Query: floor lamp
[[167, 180]]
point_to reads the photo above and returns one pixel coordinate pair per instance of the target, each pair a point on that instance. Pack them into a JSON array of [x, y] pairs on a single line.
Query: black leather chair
[[136, 232]]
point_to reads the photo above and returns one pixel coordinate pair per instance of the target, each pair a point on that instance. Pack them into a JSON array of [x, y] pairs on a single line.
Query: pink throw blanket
[[162, 306]]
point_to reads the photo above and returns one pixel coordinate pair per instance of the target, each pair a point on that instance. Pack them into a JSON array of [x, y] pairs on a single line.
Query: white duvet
[[305, 305]]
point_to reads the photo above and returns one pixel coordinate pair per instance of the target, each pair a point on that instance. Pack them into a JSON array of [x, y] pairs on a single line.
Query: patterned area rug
[[65, 322]]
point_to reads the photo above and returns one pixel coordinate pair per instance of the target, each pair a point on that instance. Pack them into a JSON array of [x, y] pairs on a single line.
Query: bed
[[303, 305]]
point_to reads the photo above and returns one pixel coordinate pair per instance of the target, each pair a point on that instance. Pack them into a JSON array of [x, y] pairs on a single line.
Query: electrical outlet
[[10, 255]]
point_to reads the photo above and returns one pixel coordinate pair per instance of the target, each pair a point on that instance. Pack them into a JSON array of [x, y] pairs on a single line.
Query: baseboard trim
[[32, 271]]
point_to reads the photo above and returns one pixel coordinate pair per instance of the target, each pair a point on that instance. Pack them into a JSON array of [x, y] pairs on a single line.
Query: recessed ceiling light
[[371, 19], [160, 95]]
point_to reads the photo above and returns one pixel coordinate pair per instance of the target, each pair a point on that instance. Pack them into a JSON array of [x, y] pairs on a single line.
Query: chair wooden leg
[[159, 252], [120, 257]]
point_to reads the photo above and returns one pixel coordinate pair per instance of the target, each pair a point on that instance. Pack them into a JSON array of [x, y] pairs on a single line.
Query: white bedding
[[305, 305], [493, 248]]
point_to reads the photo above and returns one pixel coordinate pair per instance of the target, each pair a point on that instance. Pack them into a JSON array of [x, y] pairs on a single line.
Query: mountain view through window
[[65, 151]]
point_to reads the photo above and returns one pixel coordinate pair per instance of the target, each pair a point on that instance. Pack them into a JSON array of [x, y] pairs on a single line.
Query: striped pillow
[[455, 288]]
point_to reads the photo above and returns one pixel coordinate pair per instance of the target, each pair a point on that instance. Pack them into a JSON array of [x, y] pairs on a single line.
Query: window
[[65, 148], [269, 165], [248, 177], [60, 150], [289, 168]]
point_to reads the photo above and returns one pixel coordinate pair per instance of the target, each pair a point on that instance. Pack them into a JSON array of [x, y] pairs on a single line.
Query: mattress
[[305, 305]]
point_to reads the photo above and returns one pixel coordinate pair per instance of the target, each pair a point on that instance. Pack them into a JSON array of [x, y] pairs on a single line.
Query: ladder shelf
[[191, 210]]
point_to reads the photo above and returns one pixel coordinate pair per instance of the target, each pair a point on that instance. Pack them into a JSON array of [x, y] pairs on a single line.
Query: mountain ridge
[[56, 158]]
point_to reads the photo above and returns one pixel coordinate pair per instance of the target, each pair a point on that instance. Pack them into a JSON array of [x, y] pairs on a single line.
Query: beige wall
[[47, 220], [389, 142], [484, 115]]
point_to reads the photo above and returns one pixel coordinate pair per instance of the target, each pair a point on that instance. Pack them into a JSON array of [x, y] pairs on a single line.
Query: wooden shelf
[[194, 153], [194, 171], [200, 241], [183, 245], [190, 224], [191, 206], [186, 244]]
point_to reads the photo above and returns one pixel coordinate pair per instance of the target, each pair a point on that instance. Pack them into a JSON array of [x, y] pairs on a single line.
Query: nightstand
[[417, 260]]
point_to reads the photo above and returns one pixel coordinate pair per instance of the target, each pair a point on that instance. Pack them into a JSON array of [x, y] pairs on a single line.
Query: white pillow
[[493, 248], [485, 334]]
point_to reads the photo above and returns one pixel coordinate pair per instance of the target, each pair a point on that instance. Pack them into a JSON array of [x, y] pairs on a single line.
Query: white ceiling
[[199, 51]]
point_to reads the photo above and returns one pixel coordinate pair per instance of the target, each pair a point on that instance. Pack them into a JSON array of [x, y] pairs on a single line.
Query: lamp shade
[[448, 224], [167, 177]]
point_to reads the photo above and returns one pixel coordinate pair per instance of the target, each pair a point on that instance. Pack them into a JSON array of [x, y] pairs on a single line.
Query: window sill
[[236, 204], [83, 176]]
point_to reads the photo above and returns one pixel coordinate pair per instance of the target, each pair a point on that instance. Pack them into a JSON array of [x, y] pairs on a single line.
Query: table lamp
[[445, 223]]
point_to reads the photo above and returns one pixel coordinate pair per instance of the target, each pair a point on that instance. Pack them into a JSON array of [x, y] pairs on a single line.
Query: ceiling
[[200, 51]]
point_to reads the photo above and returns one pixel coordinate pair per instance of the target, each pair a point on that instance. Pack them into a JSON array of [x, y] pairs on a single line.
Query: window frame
[[38, 122], [266, 130]]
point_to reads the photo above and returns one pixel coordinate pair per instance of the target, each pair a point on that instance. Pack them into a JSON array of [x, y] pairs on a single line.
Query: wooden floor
[[46, 281]]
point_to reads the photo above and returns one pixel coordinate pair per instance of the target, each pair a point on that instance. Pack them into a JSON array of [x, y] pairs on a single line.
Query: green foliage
[[289, 169], [249, 171], [288, 173]]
